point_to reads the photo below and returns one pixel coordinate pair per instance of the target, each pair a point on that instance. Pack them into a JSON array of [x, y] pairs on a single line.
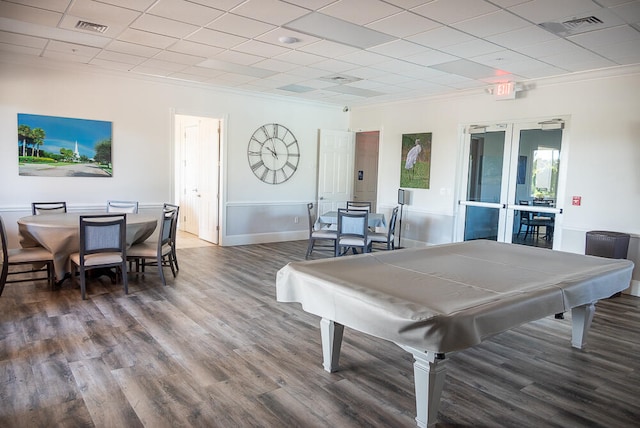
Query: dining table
[[60, 234], [444, 298], [331, 218]]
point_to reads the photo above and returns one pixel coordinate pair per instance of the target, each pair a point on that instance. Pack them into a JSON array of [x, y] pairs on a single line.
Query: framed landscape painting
[[416, 160], [50, 146]]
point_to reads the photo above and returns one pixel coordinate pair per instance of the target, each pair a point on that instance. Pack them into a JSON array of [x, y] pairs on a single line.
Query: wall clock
[[273, 153]]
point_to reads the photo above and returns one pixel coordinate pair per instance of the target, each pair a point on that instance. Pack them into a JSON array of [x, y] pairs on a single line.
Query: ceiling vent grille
[[90, 26], [340, 79], [573, 26], [581, 22]]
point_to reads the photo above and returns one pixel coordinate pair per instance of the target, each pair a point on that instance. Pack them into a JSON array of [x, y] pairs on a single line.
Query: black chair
[[353, 232], [38, 208], [387, 238], [36, 257], [158, 253], [103, 244], [358, 205], [326, 236], [174, 232], [129, 207]]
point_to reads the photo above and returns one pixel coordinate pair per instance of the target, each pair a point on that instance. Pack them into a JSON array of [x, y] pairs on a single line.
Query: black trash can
[[613, 245]]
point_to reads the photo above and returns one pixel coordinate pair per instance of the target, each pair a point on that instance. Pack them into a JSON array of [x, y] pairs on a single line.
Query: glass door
[[511, 183]]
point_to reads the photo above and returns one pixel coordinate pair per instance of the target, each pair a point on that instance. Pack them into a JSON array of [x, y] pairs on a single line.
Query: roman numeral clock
[[273, 153]]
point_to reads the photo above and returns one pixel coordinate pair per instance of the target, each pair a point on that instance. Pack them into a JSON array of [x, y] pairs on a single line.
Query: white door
[[190, 195], [208, 185], [199, 167], [335, 169], [365, 178], [511, 183]]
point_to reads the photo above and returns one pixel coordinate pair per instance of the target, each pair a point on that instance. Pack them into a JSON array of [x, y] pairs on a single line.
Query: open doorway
[[197, 141], [365, 181]]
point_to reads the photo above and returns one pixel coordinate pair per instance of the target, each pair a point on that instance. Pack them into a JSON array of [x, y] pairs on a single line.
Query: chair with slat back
[[353, 231], [387, 238], [102, 245], [129, 207], [359, 205], [38, 208], [174, 233], [23, 257], [326, 237], [157, 253]]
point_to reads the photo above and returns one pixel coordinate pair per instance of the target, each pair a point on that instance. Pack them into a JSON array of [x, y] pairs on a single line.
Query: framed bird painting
[[416, 160]]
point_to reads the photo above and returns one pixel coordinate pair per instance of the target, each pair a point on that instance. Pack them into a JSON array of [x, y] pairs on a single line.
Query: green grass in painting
[[417, 178]]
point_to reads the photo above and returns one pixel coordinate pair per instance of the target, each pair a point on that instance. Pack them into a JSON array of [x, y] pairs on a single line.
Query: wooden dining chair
[[158, 253], [130, 207], [353, 232], [38, 208], [386, 238], [325, 236], [34, 260], [103, 244]]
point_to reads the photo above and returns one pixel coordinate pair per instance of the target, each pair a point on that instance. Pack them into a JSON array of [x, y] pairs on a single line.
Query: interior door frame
[[507, 205], [177, 161]]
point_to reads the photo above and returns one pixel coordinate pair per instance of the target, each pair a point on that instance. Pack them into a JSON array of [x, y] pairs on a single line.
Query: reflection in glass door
[[511, 183]]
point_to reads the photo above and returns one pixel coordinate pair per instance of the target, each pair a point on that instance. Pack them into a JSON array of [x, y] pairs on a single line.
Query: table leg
[[429, 373], [581, 317], [331, 334]]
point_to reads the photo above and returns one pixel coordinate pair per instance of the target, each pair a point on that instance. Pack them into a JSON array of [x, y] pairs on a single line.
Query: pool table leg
[[331, 334], [581, 317], [429, 373]]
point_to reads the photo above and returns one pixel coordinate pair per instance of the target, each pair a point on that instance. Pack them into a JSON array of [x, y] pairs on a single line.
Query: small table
[[446, 298], [331, 217], [60, 234]]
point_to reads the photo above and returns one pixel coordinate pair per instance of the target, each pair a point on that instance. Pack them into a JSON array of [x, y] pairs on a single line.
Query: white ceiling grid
[[345, 51]]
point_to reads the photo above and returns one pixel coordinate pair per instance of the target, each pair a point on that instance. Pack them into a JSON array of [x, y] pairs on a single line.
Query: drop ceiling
[[332, 51]]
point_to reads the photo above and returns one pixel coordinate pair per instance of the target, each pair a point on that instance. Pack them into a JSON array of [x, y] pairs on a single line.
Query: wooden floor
[[214, 349]]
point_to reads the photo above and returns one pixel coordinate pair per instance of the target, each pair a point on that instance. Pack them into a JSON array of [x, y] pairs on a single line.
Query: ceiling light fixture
[[287, 40]]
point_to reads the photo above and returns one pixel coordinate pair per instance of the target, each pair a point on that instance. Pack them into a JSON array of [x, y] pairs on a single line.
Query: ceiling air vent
[[340, 79], [573, 26], [90, 26]]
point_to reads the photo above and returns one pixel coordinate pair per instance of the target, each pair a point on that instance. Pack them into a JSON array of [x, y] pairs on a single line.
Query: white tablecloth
[[449, 297], [60, 234], [331, 217]]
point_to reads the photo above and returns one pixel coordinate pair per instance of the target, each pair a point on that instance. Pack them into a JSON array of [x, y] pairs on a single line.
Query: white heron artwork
[[416, 149]]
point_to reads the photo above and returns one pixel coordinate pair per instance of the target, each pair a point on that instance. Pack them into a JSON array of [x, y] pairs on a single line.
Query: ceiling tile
[[240, 26], [334, 65], [179, 58], [630, 11], [185, 11], [491, 23], [522, 37], [262, 49], [328, 49], [53, 5], [163, 65], [29, 14], [159, 25], [216, 38], [120, 57], [140, 5], [354, 11], [238, 57], [147, 39], [273, 12], [110, 65], [275, 65], [403, 24], [363, 58], [300, 58], [398, 49], [193, 48], [132, 48], [440, 37], [472, 48], [274, 36], [22, 40], [450, 11], [72, 49], [540, 11], [466, 68], [607, 36], [430, 57]]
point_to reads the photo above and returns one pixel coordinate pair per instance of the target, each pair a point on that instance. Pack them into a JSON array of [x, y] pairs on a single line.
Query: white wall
[[603, 148], [143, 147]]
